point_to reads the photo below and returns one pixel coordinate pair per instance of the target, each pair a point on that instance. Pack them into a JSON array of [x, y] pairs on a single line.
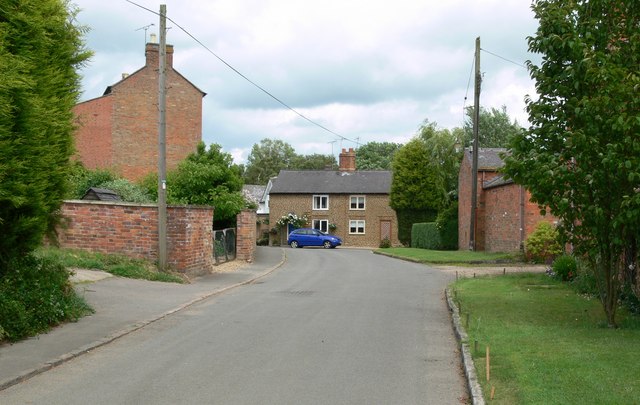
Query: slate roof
[[254, 192], [100, 194], [488, 158], [497, 182], [331, 182]]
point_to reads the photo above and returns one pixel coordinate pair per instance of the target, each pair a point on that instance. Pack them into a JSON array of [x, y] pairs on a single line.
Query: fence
[[224, 245]]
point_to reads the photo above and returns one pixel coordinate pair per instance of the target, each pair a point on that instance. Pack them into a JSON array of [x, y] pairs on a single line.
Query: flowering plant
[[292, 219]]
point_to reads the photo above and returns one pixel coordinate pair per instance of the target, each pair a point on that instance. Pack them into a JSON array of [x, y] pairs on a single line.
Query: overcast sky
[[368, 70]]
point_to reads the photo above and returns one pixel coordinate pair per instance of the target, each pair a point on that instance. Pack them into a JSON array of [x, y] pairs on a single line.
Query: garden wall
[[132, 230]]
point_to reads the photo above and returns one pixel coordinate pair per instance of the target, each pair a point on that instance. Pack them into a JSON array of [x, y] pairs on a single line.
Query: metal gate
[[224, 245]]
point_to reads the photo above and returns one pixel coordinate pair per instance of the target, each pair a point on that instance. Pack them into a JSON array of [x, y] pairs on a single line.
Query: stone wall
[[132, 230]]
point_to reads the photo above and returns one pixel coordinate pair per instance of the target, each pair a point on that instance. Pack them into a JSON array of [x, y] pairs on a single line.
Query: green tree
[[376, 155], [424, 177], [314, 161], [40, 50], [267, 159], [208, 177], [495, 128], [581, 156]]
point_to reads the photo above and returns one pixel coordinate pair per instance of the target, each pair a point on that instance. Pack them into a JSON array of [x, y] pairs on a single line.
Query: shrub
[[447, 224], [425, 236], [129, 192], [565, 267], [542, 245], [35, 295], [385, 243], [408, 217]]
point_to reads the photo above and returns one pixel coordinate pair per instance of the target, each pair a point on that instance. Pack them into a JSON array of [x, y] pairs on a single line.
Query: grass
[[117, 265], [448, 256], [548, 344]]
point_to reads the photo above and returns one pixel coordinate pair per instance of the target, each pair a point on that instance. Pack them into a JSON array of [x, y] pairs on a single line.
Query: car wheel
[[326, 244], [294, 244]]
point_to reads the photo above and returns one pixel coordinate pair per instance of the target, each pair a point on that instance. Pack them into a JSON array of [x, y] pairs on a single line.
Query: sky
[[366, 70]]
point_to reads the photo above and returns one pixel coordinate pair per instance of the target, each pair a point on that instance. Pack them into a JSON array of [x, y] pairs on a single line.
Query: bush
[[447, 224], [408, 217], [35, 295], [425, 236], [83, 179], [565, 267], [128, 192], [385, 243], [542, 245]]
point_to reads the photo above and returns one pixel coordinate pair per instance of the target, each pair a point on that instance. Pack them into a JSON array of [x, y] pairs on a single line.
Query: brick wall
[[499, 213], [93, 144], [246, 235], [132, 230], [127, 119], [377, 209]]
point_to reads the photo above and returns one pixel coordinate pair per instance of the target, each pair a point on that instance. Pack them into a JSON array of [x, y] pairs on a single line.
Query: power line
[[503, 58], [245, 77], [464, 104]]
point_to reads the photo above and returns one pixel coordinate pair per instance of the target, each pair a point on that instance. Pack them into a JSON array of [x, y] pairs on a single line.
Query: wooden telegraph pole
[[474, 165], [162, 135]]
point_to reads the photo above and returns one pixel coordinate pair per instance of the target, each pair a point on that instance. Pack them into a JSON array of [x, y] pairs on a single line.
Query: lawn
[[548, 345], [448, 256], [117, 265]]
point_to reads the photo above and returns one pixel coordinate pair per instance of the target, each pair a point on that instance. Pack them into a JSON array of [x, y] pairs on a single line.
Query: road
[[339, 326]]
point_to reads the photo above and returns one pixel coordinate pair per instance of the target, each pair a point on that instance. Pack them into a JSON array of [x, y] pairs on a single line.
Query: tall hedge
[[40, 50], [425, 236]]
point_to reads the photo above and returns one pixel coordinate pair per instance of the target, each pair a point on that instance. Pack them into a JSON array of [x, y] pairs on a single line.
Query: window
[[320, 202], [356, 226], [357, 202], [321, 225]]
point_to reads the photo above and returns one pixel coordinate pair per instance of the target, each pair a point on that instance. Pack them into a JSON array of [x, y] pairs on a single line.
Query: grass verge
[[548, 344], [117, 265], [459, 257]]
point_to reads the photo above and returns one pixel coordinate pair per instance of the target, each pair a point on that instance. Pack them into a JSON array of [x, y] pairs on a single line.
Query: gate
[[224, 245]]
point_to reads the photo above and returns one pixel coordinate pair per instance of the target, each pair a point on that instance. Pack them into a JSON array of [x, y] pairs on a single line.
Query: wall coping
[[131, 204]]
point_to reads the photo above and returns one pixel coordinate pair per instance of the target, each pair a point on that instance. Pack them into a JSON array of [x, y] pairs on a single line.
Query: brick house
[[119, 130], [505, 215], [356, 202]]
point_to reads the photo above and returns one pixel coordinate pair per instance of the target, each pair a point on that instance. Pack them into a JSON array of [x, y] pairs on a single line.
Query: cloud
[[369, 70]]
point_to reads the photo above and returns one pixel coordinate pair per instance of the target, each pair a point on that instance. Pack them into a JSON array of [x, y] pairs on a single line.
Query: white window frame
[[357, 199], [323, 225], [320, 198], [355, 223]]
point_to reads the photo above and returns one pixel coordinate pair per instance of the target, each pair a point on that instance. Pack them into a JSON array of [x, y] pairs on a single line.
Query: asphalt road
[[337, 326]]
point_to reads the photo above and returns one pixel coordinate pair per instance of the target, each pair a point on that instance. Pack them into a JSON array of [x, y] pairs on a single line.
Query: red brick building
[[119, 130], [505, 215]]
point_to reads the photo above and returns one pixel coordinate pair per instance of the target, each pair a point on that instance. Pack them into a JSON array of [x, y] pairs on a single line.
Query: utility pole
[[474, 153], [162, 136]]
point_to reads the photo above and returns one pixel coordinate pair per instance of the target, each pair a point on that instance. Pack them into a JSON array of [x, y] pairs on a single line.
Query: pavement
[[121, 306]]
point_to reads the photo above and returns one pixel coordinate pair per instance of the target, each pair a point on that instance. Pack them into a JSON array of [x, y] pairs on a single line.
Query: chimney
[[348, 160], [152, 53]]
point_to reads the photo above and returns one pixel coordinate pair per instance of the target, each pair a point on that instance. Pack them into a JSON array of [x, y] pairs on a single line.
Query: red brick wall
[[93, 137], [498, 216], [132, 230], [246, 235], [131, 121]]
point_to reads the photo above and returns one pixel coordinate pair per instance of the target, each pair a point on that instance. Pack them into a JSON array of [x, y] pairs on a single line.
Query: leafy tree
[[207, 177], [376, 155], [581, 156], [267, 159], [314, 161], [40, 50], [424, 177], [495, 128]]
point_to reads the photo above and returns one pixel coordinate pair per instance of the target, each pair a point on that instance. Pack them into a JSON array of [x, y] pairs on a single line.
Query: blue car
[[312, 237]]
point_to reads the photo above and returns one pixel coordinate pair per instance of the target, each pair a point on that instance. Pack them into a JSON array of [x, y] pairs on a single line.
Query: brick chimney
[[152, 53], [348, 160]]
